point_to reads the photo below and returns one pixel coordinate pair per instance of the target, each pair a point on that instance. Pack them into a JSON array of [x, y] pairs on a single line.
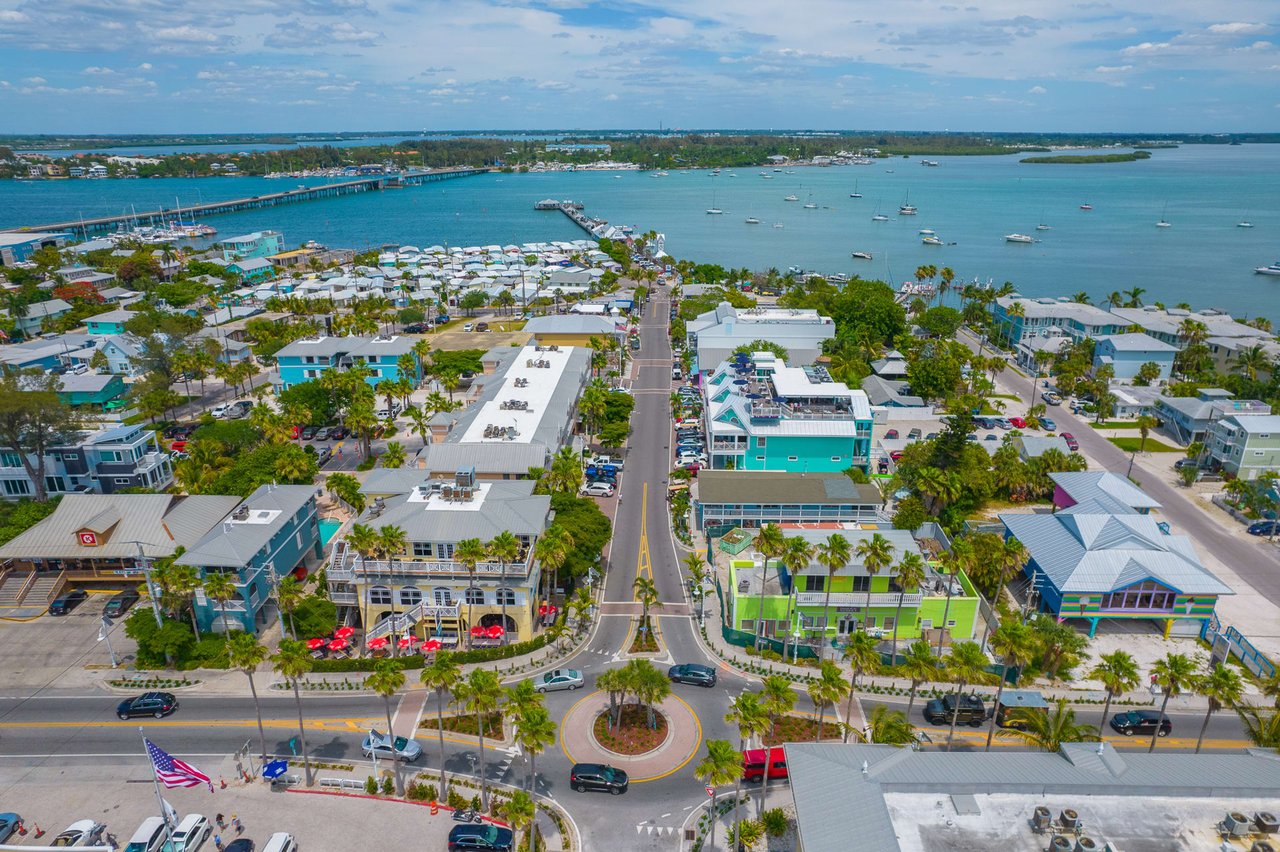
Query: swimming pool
[[328, 526]]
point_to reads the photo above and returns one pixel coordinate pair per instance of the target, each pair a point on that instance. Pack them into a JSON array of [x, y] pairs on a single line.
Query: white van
[[191, 833], [280, 842], [149, 837], [676, 374]]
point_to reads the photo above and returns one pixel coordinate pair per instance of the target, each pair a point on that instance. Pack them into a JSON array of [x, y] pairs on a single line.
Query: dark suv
[[597, 776], [120, 603], [1140, 722], [480, 836], [158, 704], [972, 711], [693, 673]]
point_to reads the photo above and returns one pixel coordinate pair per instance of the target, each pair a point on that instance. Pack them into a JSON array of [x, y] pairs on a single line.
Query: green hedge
[[416, 661]]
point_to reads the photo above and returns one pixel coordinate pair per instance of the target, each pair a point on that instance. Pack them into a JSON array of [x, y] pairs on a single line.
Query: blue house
[[273, 533], [258, 244], [252, 269], [110, 323], [1040, 318], [15, 248], [310, 358], [1127, 352]]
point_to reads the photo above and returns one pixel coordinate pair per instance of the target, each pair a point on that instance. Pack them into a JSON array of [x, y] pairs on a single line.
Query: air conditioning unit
[[1061, 844], [1266, 822], [1041, 819], [1087, 844], [1236, 824], [1262, 846], [1069, 819]]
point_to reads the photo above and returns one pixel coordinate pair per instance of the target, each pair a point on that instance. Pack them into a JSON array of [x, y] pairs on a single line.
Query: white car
[[468, 326], [190, 834], [616, 461], [220, 410], [84, 832], [598, 489]]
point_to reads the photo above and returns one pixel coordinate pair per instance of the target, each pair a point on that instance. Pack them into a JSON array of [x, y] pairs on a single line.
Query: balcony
[[858, 599], [344, 598], [356, 567], [729, 446]]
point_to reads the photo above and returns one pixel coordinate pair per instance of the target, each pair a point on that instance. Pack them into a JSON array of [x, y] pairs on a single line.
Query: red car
[[1072, 443], [1018, 422], [759, 763], [178, 446]]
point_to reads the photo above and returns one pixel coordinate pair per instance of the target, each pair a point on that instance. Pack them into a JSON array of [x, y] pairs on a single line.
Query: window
[[410, 596], [444, 551], [474, 595], [926, 624], [835, 458], [862, 584], [10, 460], [506, 596], [760, 442], [16, 487], [442, 596], [888, 622], [814, 582], [793, 458], [748, 625], [422, 548], [55, 483], [122, 480], [110, 455], [380, 595]]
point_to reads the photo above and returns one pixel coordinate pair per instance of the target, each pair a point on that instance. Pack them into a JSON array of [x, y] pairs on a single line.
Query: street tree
[[386, 679], [32, 421], [443, 676], [292, 661]]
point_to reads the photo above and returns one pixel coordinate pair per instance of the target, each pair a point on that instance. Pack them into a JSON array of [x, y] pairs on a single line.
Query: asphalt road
[[1257, 565]]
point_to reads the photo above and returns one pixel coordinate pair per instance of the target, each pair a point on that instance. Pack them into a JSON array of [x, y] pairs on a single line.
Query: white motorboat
[[791, 198], [778, 225], [861, 255], [1018, 238], [1244, 224], [1273, 269], [809, 205], [752, 220], [926, 231], [714, 211], [1042, 227], [932, 241]]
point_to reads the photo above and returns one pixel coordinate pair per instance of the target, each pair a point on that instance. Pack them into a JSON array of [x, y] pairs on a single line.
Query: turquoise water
[[969, 201], [328, 527]]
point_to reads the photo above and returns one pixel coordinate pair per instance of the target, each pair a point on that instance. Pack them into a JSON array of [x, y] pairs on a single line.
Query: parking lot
[[42, 648]]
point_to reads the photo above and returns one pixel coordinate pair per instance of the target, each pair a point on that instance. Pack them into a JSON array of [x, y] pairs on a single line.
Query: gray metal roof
[[1136, 342], [161, 521], [1085, 549], [232, 543], [504, 505], [839, 789], [571, 324], [882, 391], [1085, 485], [486, 458], [741, 486], [1034, 446]]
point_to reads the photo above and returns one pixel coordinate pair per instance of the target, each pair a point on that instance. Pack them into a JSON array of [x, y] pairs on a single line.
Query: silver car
[[559, 679], [404, 750]]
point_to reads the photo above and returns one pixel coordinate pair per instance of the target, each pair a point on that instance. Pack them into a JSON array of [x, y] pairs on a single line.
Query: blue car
[[1048, 425], [8, 825]]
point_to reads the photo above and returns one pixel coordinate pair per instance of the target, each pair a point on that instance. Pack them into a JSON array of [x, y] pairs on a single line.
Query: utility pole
[[144, 562]]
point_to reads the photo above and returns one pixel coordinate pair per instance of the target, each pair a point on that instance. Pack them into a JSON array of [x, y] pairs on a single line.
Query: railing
[[733, 446], [858, 599], [403, 622], [344, 598], [433, 567]]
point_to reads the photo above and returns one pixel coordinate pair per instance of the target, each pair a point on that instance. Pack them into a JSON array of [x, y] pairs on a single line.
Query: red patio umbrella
[[344, 633], [432, 645], [315, 644], [477, 631], [406, 641], [494, 632], [338, 645], [378, 643]]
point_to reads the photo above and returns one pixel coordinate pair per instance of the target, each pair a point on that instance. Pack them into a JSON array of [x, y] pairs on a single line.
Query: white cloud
[[13, 16], [612, 96], [1037, 90], [186, 34], [98, 71], [1113, 69], [145, 66], [34, 81], [1239, 28]]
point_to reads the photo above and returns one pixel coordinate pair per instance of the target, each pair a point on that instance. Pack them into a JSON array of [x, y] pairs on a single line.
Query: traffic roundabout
[[585, 737]]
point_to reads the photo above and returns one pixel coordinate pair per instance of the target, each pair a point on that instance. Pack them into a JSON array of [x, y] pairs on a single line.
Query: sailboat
[[791, 198], [752, 220], [1164, 223], [855, 193], [809, 205], [879, 217], [1244, 223], [713, 210], [906, 209], [1042, 226]]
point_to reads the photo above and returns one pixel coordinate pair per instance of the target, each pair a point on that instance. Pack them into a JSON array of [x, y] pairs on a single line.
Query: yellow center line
[[355, 724]]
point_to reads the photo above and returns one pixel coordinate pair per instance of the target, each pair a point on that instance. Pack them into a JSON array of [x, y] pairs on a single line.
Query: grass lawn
[[1152, 446], [1005, 396], [800, 729], [466, 724], [1116, 424], [633, 734]]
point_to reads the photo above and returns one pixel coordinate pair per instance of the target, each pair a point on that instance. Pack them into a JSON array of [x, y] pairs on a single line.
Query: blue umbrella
[[275, 769]]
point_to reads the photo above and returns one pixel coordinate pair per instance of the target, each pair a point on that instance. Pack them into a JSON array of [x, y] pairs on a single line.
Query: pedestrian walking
[[217, 842], [235, 820], [221, 821]]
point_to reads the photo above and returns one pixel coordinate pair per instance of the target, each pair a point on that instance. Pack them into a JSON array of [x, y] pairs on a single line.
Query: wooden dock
[[574, 212], [108, 224]]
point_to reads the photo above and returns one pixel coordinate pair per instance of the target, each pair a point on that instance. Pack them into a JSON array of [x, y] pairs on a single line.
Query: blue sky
[[152, 66]]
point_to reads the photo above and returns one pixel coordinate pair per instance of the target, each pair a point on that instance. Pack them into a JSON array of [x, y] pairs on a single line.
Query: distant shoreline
[[1075, 159]]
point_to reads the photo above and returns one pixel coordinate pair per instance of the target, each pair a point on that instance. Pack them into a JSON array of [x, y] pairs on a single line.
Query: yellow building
[[425, 589]]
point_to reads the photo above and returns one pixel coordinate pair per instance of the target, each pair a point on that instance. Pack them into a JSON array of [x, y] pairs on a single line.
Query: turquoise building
[[310, 358], [110, 323], [258, 244], [763, 415], [273, 533]]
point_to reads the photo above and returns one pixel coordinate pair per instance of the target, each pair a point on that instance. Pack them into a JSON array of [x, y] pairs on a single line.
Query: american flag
[[173, 772]]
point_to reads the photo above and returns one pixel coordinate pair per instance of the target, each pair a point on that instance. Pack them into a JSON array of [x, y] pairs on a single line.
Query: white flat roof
[[542, 382]]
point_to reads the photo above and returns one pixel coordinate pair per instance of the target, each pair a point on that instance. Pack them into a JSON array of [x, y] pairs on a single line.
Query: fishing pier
[[108, 224], [573, 210]]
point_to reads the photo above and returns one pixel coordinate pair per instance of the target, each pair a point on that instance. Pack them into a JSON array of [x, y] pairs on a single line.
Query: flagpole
[[155, 782]]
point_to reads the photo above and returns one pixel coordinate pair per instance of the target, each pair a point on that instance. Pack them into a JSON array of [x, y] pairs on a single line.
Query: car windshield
[[609, 774], [402, 743]]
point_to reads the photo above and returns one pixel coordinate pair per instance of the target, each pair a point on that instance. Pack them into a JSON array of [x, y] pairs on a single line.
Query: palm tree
[[292, 661], [908, 574], [470, 552], [1224, 688], [505, 548], [1175, 673], [534, 732], [393, 456], [770, 543], [751, 720], [481, 694], [721, 765], [1135, 297], [520, 813], [1048, 730], [221, 588], [1252, 362], [1118, 674], [920, 666], [826, 691], [876, 553], [863, 655], [1014, 645], [246, 653], [386, 679], [289, 594], [832, 554], [646, 592], [1262, 729], [443, 676], [777, 698], [1145, 424], [890, 727], [965, 665], [553, 548]]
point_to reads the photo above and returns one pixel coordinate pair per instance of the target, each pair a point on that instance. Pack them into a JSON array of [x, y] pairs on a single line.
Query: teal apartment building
[[258, 244], [764, 415], [310, 358]]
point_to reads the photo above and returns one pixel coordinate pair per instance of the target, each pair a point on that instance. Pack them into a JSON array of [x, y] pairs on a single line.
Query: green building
[[796, 604], [99, 390]]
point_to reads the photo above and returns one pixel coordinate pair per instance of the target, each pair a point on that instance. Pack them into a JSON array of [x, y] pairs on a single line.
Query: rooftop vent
[[465, 478], [241, 513]]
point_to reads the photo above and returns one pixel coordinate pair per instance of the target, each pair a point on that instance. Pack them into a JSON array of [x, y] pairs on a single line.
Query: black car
[[597, 776], [158, 704], [416, 328], [181, 430], [337, 433], [67, 602], [1140, 722], [940, 710], [693, 673], [240, 844], [309, 432], [480, 836], [120, 603]]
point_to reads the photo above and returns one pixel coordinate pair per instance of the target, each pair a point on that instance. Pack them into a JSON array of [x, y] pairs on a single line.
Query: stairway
[[45, 589], [13, 589]]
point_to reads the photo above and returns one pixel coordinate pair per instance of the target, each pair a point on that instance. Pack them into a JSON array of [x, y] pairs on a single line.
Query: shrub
[[475, 803], [456, 800], [371, 786], [315, 616], [388, 785], [774, 821]]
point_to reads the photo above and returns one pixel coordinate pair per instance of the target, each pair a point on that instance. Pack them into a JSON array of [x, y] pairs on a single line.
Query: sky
[[219, 66]]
